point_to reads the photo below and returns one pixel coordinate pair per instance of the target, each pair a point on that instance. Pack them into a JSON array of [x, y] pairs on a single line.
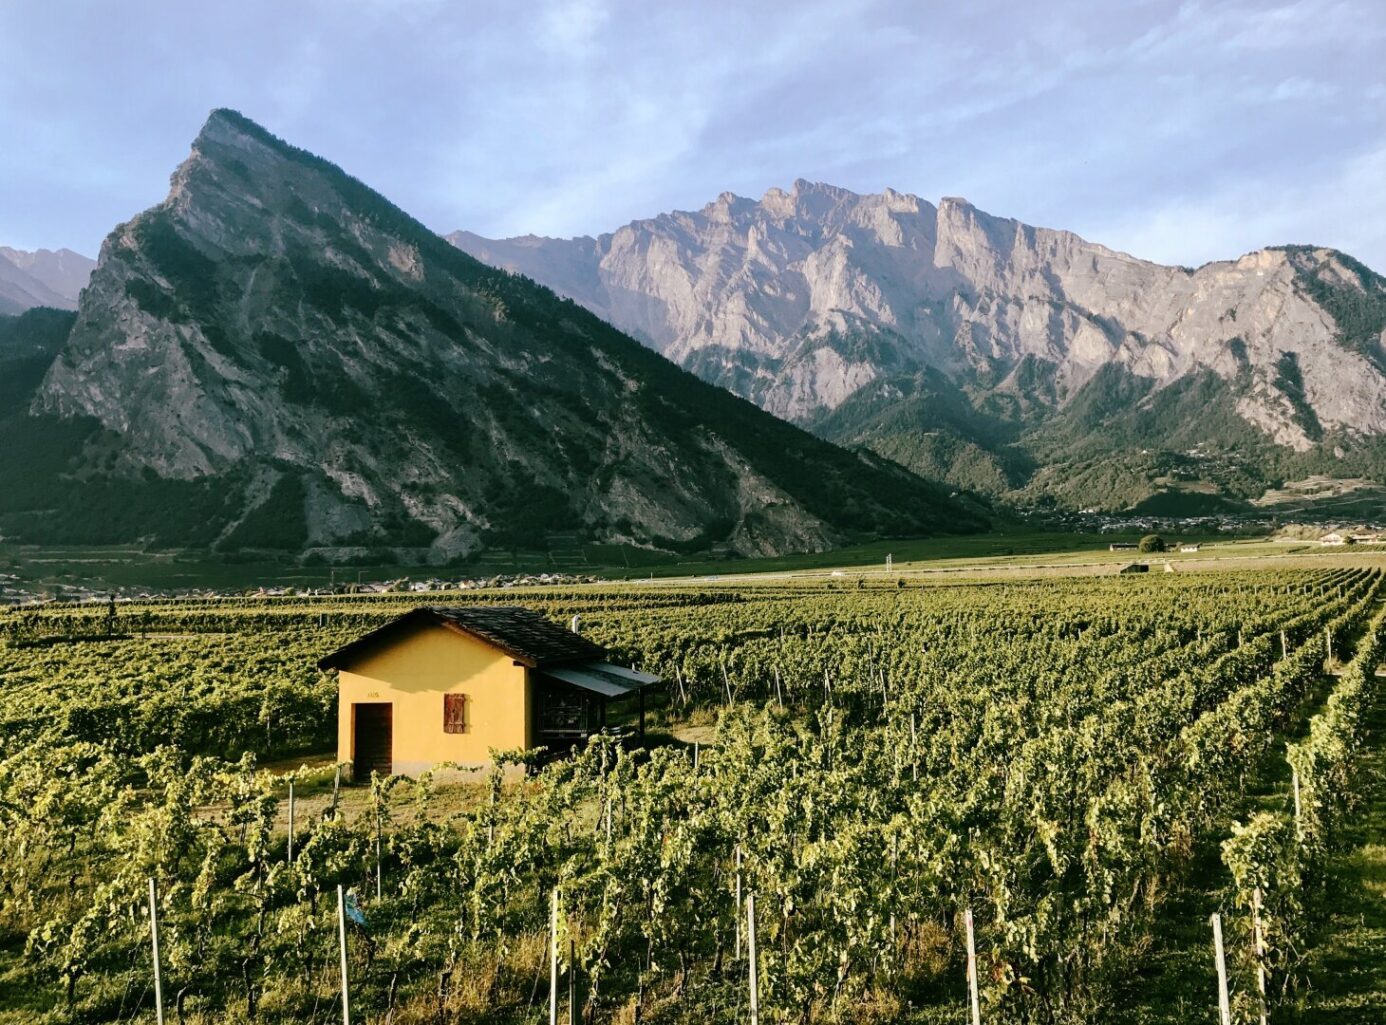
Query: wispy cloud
[[1178, 131], [571, 26]]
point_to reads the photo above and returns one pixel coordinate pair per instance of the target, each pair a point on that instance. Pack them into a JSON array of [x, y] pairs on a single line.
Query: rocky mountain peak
[[337, 374], [727, 208], [801, 300], [227, 143]]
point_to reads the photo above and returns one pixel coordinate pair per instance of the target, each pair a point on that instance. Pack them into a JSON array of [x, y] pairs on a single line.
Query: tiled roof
[[527, 636]]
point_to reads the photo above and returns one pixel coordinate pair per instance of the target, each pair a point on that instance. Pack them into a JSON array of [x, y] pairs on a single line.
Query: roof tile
[[527, 636], [522, 632]]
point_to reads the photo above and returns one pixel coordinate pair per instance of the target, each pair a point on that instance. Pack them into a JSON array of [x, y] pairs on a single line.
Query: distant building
[[1122, 546], [1188, 548], [449, 684], [1333, 539], [1136, 567]]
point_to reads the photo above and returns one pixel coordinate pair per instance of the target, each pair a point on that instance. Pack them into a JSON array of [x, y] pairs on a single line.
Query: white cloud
[[1292, 26], [1298, 87], [571, 26], [574, 117], [1294, 89]]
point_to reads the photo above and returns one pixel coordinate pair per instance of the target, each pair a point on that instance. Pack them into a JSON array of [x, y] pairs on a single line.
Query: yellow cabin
[[450, 684]]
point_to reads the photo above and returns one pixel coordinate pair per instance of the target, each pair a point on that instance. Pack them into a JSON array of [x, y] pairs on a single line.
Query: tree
[[1152, 543]]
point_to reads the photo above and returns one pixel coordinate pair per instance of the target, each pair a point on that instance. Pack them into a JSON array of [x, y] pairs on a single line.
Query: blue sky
[[1181, 132]]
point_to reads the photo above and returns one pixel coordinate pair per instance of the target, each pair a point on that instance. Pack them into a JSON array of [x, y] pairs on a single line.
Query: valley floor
[[74, 571]]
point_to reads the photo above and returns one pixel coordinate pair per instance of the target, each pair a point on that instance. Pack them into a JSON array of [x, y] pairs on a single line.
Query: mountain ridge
[[42, 277], [807, 298], [277, 337]]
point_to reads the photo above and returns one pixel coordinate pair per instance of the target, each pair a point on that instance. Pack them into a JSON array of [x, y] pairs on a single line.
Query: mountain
[[277, 357], [41, 278], [1019, 360], [28, 345]]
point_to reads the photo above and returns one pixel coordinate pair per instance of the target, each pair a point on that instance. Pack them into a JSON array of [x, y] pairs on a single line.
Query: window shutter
[[454, 713]]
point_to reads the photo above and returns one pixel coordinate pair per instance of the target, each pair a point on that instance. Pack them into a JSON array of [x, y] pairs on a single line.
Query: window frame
[[454, 713]]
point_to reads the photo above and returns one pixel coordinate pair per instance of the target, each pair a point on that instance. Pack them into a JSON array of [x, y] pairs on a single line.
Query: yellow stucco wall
[[413, 673]]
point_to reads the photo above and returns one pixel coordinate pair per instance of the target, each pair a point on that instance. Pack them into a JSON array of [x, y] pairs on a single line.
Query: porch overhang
[[603, 678]]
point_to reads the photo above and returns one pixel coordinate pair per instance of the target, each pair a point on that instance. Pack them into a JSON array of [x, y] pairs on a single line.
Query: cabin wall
[[413, 673]]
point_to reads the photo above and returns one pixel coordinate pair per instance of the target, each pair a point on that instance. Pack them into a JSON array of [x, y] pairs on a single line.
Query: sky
[[1179, 132]]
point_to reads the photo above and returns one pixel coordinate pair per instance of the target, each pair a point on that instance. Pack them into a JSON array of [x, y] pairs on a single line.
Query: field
[[54, 571], [51, 570], [1088, 764]]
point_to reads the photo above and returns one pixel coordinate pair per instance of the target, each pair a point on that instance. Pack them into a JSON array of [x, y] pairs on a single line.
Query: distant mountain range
[[1023, 362], [275, 357], [41, 278]]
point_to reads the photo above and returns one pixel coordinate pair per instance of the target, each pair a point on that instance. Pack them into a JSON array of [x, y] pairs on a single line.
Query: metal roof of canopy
[[610, 681]]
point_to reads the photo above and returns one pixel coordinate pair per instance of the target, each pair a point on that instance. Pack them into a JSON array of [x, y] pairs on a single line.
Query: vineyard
[[1061, 766]]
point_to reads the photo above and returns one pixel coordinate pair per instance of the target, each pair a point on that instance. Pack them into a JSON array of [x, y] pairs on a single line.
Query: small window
[[454, 713]]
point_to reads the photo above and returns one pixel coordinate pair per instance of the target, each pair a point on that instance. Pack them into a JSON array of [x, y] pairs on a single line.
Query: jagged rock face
[[275, 323], [43, 277], [799, 300]]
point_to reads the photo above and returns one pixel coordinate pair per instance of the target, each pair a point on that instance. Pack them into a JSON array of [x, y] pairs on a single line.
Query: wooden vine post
[[553, 958], [972, 970], [341, 934], [738, 901], [1259, 946], [154, 944], [291, 821], [753, 978], [1224, 1008]]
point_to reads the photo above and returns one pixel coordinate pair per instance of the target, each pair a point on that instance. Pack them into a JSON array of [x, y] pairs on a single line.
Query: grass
[[1347, 963]]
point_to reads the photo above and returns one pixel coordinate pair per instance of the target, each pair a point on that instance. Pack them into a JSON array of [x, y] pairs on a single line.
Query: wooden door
[[373, 740]]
